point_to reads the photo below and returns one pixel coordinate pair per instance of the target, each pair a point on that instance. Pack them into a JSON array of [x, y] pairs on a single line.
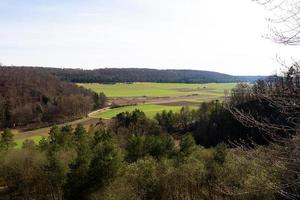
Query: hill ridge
[[114, 75]]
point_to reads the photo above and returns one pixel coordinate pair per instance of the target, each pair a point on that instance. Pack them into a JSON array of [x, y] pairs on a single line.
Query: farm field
[[159, 89], [156, 97]]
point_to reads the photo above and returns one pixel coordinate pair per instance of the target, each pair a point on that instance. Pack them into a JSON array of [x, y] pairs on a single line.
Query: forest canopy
[[123, 75]]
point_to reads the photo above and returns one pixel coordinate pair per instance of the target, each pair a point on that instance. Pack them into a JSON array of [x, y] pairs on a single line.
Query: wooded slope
[[35, 97], [113, 75]]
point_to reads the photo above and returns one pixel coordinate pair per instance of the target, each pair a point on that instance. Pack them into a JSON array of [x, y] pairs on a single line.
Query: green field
[[36, 139], [149, 109], [159, 89], [202, 92]]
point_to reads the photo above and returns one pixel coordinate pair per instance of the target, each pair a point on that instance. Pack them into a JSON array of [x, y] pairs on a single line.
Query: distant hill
[[113, 75]]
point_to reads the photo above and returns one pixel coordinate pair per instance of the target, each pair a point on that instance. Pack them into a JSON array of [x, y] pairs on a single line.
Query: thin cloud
[[224, 36]]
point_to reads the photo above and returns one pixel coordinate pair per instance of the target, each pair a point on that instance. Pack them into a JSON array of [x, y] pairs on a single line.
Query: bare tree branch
[[284, 20]]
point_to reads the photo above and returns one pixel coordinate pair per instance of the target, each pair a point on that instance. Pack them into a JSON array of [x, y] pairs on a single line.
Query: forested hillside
[[114, 75], [143, 75], [34, 98]]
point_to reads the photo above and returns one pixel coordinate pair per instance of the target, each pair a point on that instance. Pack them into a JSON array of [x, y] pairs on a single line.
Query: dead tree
[[284, 20], [282, 94]]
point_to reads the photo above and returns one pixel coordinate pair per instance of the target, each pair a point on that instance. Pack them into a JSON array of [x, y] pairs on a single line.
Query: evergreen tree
[[187, 144], [6, 140]]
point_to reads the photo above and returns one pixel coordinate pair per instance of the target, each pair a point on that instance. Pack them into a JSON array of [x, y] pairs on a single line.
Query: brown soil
[[192, 89], [86, 122], [180, 103], [154, 100]]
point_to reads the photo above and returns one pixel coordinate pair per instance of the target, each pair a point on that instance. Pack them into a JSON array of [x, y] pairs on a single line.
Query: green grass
[[149, 109], [209, 91], [19, 143], [158, 89]]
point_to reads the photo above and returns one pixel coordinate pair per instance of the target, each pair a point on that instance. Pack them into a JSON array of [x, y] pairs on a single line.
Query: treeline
[[32, 98], [210, 125], [142, 75], [114, 75]]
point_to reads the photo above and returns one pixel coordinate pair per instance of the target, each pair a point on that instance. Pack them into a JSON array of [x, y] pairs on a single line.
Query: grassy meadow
[[149, 109], [199, 93]]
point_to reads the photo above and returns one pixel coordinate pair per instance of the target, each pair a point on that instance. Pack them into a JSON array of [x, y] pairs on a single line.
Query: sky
[[215, 35]]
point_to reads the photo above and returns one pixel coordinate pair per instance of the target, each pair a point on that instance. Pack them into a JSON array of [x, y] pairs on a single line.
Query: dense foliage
[[80, 164], [211, 124], [34, 98], [115, 75]]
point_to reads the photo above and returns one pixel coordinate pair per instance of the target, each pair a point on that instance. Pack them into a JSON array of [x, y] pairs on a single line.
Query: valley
[[150, 98]]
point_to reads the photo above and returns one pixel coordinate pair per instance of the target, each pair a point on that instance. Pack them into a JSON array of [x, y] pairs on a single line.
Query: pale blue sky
[[224, 36]]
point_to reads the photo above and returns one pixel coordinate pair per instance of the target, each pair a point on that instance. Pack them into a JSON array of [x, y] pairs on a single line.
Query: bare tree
[[284, 20], [280, 94]]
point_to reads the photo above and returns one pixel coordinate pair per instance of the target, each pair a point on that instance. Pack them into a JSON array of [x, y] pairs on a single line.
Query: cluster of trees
[[211, 124], [129, 75], [34, 98], [69, 164], [81, 164], [134, 122]]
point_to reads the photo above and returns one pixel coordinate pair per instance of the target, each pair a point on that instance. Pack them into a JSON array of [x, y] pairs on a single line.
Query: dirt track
[[179, 103], [89, 120], [86, 122], [156, 100]]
